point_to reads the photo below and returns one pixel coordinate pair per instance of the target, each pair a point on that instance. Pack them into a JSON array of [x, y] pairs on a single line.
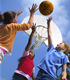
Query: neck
[[59, 50], [62, 51]]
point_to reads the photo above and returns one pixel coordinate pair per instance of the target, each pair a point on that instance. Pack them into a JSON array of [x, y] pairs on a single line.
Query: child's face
[[31, 53], [60, 47], [14, 20]]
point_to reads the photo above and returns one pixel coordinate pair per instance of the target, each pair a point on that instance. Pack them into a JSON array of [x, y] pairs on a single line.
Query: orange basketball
[[46, 8]]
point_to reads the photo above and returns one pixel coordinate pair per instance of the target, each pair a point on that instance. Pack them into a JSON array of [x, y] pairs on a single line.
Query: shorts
[[2, 53], [42, 75], [17, 76]]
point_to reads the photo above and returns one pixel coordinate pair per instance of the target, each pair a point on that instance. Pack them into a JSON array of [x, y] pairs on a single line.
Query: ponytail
[[7, 17], [1, 18], [67, 48], [67, 51]]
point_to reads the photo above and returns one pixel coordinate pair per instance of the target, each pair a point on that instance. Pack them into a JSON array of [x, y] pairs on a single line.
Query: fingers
[[34, 28], [33, 9], [29, 8], [37, 9], [34, 24], [64, 78], [35, 5], [50, 17], [19, 12]]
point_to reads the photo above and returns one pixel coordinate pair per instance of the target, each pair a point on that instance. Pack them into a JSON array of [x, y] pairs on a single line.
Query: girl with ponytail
[[9, 28]]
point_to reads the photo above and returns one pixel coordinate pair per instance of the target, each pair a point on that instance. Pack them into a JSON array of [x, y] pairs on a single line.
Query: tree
[[68, 75], [69, 60]]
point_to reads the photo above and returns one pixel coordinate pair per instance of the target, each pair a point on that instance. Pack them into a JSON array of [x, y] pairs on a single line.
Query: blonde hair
[[67, 48]]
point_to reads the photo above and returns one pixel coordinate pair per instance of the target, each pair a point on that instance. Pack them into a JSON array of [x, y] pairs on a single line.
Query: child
[[25, 68], [9, 28], [54, 59]]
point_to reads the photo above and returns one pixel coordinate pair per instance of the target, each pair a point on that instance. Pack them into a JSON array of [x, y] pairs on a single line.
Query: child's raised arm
[[49, 32], [30, 38], [32, 11], [19, 12]]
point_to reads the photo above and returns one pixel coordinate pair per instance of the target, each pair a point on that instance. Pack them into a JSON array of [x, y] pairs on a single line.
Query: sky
[[61, 17]]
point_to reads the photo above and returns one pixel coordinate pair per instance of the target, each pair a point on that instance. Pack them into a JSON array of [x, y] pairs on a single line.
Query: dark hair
[[20, 58], [7, 17], [1, 18]]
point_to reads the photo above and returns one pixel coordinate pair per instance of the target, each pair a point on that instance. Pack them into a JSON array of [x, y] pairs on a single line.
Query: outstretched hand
[[19, 12], [33, 9], [49, 20], [33, 27], [63, 78]]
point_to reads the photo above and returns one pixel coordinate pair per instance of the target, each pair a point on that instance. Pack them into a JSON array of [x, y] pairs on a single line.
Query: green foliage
[[68, 76], [59, 77]]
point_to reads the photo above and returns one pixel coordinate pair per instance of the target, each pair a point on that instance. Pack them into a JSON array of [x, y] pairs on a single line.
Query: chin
[[56, 48]]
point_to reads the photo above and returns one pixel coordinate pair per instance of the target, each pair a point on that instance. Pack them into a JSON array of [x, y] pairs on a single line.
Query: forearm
[[49, 29], [29, 42], [30, 38], [33, 77], [49, 35], [31, 19], [64, 74]]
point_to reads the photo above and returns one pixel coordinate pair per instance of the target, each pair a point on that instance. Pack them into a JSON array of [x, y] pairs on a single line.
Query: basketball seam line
[[46, 7]]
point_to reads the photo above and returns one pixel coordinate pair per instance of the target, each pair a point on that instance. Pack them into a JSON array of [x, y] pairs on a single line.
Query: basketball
[[46, 8]]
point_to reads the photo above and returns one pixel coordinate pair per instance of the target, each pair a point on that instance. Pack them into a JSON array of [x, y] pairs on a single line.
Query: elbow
[[50, 35], [28, 26]]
